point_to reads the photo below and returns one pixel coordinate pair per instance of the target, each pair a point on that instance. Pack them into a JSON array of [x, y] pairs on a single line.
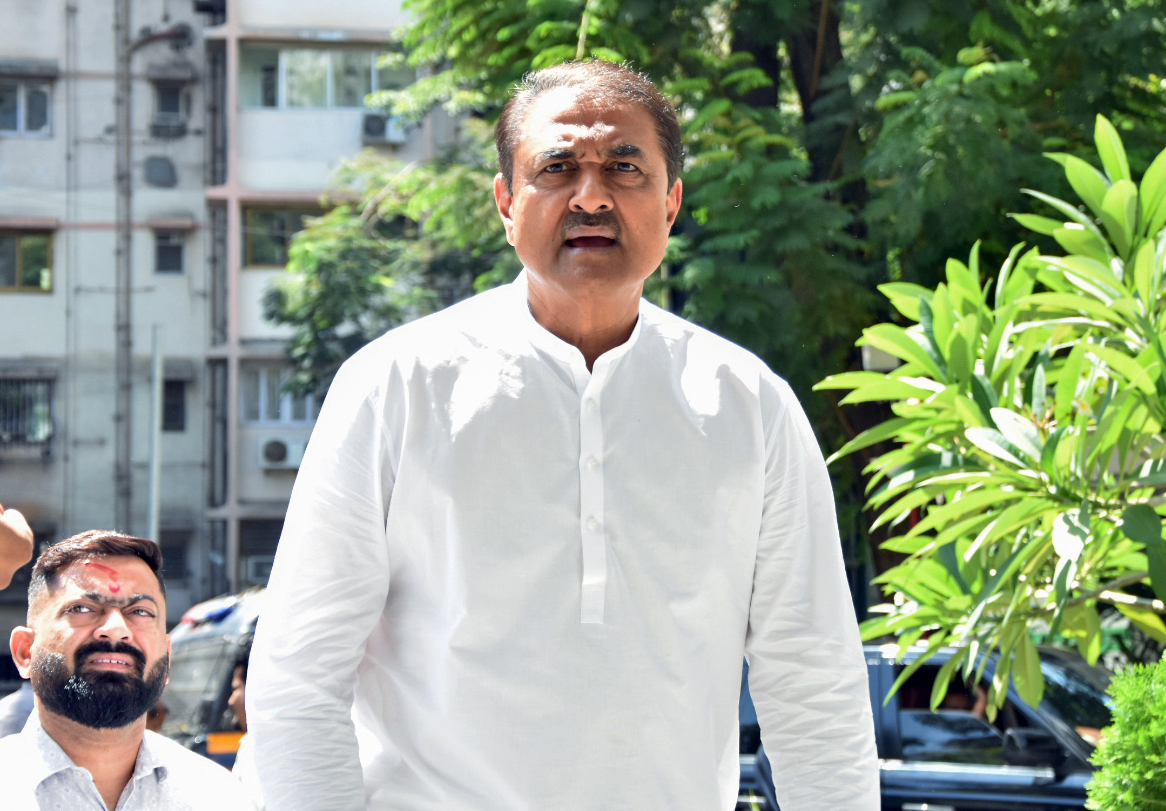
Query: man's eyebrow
[[556, 154], [121, 602], [625, 150]]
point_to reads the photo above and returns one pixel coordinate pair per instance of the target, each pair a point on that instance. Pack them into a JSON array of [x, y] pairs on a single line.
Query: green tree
[[958, 101], [1027, 426]]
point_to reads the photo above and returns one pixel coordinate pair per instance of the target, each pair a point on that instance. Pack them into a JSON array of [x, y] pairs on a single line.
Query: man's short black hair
[[606, 82], [94, 543]]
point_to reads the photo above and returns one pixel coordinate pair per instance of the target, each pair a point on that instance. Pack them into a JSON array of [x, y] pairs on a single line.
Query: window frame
[[169, 407], [281, 77], [248, 232], [20, 234], [22, 88], [170, 238], [286, 407], [24, 448]]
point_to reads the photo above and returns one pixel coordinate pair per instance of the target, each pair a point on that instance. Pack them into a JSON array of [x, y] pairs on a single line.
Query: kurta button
[[593, 523], [591, 404], [592, 463]]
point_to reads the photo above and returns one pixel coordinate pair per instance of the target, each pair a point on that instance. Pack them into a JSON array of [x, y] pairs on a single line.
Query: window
[[26, 261], [168, 249], [173, 405], [26, 416], [171, 109], [267, 233], [24, 108], [258, 540], [287, 78], [265, 401], [173, 543], [958, 732]]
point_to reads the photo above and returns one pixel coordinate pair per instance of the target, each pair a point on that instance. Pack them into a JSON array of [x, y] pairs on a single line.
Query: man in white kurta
[[531, 540]]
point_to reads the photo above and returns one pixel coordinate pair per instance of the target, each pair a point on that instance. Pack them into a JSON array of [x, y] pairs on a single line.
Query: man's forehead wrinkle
[[118, 602]]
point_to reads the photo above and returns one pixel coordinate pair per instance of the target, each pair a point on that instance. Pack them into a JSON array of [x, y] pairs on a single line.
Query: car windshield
[[197, 674], [1078, 698]]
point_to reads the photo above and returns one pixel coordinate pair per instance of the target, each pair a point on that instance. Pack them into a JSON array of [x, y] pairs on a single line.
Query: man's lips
[[590, 242]]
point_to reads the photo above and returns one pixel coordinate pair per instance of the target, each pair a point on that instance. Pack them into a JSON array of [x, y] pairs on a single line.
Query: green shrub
[[1132, 755], [1023, 474]]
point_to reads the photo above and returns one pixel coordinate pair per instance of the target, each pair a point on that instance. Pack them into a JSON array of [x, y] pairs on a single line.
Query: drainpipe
[[124, 49]]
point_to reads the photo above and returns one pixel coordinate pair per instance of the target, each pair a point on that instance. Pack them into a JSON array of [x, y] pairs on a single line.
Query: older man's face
[[591, 206], [97, 649]]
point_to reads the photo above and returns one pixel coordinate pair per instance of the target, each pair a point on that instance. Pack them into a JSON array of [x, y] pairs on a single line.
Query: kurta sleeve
[[327, 591], [807, 673]]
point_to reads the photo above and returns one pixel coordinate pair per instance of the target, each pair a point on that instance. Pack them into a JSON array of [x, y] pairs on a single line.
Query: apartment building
[[89, 266], [290, 78], [239, 113]]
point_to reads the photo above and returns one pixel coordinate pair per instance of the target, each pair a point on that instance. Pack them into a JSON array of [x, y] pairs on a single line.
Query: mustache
[[83, 652], [598, 219]]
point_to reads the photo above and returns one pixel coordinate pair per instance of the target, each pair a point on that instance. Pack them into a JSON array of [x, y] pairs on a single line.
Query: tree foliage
[[1027, 477]]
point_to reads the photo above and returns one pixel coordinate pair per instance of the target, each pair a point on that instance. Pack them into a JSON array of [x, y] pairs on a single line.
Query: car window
[[197, 674], [959, 732], [1078, 700], [953, 736]]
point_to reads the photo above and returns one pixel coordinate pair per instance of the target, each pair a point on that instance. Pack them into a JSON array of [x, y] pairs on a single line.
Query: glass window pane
[[299, 409], [351, 78], [258, 76], [393, 73], [168, 247], [273, 395], [36, 108], [169, 100], [307, 77], [34, 261], [7, 261], [265, 237], [250, 384], [8, 91], [174, 405]]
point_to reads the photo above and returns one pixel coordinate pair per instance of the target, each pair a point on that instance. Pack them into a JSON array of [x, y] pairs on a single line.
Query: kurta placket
[[592, 449]]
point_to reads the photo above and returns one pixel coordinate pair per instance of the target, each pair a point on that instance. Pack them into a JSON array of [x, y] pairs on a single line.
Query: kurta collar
[[566, 354]]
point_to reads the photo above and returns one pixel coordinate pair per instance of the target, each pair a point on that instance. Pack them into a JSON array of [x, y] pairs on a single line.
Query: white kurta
[[506, 583]]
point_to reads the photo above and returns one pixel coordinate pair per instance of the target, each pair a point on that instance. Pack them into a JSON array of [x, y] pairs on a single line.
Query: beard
[[98, 699]]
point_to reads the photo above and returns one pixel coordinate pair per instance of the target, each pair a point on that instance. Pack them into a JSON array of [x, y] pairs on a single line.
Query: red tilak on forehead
[[111, 572]]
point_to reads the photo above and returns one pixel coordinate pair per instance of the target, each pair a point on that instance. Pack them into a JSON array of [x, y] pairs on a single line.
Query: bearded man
[[98, 655]]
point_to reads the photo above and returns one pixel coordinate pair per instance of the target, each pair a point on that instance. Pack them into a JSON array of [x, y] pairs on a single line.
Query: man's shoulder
[[187, 765], [436, 337], [701, 344]]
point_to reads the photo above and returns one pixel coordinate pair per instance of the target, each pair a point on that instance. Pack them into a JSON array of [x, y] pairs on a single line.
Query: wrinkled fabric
[[506, 583], [37, 775]]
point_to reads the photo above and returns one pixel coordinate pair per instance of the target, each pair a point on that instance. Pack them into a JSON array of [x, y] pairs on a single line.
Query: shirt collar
[[547, 342], [51, 758]]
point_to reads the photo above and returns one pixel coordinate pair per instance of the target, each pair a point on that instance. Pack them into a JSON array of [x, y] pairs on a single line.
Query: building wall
[[67, 177]]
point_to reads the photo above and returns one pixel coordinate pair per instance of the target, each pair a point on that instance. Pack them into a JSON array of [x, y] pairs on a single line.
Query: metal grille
[[26, 417]]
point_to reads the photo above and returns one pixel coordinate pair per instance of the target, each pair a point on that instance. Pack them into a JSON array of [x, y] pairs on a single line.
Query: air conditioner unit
[[377, 128], [281, 452]]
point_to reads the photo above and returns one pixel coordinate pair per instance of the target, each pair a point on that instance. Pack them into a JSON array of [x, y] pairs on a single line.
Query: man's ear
[[504, 199], [20, 643], [672, 206]]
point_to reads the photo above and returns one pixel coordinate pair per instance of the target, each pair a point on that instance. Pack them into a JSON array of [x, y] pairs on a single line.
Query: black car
[[1027, 759]]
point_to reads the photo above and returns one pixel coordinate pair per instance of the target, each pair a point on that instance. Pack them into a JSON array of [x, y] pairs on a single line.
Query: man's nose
[[591, 193], [114, 626]]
